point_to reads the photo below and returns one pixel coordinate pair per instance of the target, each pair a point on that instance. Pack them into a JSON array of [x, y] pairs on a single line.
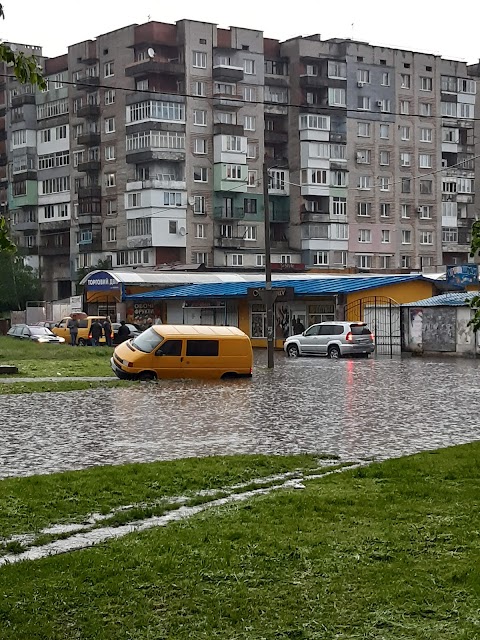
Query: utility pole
[[269, 297]]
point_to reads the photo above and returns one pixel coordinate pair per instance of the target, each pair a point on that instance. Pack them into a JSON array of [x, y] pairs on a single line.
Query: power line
[[322, 108]]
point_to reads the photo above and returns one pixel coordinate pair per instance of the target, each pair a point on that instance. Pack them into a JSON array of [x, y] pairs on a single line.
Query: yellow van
[[182, 351], [84, 324]]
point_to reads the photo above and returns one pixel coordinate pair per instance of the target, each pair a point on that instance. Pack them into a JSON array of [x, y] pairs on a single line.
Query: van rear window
[[202, 347]]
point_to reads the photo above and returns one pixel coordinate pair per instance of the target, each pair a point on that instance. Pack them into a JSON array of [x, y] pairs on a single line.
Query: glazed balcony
[[89, 111], [155, 67], [91, 166], [89, 139]]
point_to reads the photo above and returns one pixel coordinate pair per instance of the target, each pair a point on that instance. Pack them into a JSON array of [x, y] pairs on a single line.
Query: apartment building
[[148, 149]]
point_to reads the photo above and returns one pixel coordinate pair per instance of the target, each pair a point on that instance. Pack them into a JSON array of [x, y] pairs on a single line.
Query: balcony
[[228, 213], [142, 156], [279, 245], [276, 109], [87, 82], [338, 137], [174, 185], [310, 216], [95, 244], [89, 192], [313, 81], [53, 249], [276, 137], [229, 243], [89, 111], [91, 166], [225, 101], [89, 139], [150, 67], [228, 129], [139, 242], [279, 215], [3, 159], [3, 135], [24, 98], [227, 72]]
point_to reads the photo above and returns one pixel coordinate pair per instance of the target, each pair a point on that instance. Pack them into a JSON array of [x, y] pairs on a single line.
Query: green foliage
[[18, 282], [475, 252], [6, 245]]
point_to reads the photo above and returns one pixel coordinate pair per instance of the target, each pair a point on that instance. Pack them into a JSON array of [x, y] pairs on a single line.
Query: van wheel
[[292, 351], [229, 376], [82, 342], [334, 352], [146, 376]]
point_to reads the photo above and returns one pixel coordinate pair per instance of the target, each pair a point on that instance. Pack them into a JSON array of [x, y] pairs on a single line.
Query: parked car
[[332, 339], [84, 324], [134, 331], [34, 332], [46, 323]]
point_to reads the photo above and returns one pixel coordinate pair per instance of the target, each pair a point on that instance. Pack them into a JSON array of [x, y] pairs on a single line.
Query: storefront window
[[289, 320], [259, 321], [321, 313]]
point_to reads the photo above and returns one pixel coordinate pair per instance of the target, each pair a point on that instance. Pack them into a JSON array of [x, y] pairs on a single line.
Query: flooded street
[[353, 408]]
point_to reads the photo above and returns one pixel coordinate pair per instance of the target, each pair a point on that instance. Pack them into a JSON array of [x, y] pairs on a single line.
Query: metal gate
[[382, 315]]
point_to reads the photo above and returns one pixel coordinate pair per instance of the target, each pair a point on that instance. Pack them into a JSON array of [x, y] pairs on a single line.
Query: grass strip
[[14, 388]]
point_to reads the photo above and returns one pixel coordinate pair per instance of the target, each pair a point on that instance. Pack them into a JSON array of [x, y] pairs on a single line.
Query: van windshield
[[147, 341]]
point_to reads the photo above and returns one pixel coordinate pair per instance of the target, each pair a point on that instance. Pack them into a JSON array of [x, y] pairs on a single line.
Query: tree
[[18, 282], [474, 252]]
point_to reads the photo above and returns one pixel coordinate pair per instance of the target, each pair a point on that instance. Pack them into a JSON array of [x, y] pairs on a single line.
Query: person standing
[[123, 332], [73, 327], [107, 330], [96, 332]]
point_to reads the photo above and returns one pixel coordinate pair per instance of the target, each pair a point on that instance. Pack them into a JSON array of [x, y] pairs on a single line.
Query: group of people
[[97, 331]]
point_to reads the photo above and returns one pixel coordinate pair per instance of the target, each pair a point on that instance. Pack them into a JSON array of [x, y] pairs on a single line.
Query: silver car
[[332, 339]]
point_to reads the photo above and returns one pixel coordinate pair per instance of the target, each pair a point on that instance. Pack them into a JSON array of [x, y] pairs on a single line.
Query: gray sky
[[407, 24]]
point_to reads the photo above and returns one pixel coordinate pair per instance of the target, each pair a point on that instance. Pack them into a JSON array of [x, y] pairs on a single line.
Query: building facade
[[148, 149]]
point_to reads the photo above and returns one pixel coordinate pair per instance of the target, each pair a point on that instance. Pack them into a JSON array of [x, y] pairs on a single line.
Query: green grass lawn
[[387, 552], [45, 360]]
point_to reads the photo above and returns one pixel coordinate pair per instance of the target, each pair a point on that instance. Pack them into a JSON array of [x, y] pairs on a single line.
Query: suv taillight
[[372, 337], [349, 337]]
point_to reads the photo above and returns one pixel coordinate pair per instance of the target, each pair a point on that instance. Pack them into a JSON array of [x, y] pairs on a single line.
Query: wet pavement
[[352, 408]]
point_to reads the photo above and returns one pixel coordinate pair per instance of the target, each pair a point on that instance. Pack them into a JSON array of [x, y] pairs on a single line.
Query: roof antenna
[[353, 31]]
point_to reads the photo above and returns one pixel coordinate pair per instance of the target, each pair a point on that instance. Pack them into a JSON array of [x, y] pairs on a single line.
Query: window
[[339, 178], [286, 259], [426, 187], [339, 206], [51, 109], [320, 258], [111, 207], [250, 205], [141, 85], [364, 261], [199, 204], [385, 262], [385, 106], [318, 176], [406, 262], [385, 236], [225, 88], [19, 138], [384, 131], [405, 80], [364, 235], [405, 133], [108, 70], [406, 185], [110, 179], [364, 208], [426, 84], [249, 123], [250, 94], [465, 185], [339, 231], [405, 210], [202, 347], [336, 97], [200, 257], [54, 185], [405, 159], [450, 135], [199, 60], [252, 179], [385, 79], [364, 129], [134, 200], [232, 172], [156, 110], [426, 237], [109, 97], [449, 185], [406, 236], [260, 260], [466, 86], [425, 161], [223, 61], [172, 227], [109, 125], [321, 123], [385, 209], [337, 69], [249, 66], [319, 150], [384, 158], [49, 212], [426, 135], [363, 76], [200, 117], [200, 146], [111, 234], [425, 212], [237, 260], [250, 233], [200, 174], [226, 231], [449, 234], [425, 108], [384, 183], [274, 68], [449, 109], [172, 198], [364, 103], [364, 183], [404, 107], [200, 88], [364, 156], [465, 110], [200, 231]]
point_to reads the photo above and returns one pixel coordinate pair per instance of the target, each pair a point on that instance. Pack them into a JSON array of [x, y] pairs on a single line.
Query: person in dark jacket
[[123, 332], [107, 330], [96, 332]]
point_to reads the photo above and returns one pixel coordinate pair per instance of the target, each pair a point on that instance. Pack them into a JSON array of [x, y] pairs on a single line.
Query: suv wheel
[[334, 352], [292, 351]]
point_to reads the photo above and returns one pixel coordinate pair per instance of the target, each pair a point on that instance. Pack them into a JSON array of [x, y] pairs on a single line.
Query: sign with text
[[102, 281], [279, 294], [462, 274]]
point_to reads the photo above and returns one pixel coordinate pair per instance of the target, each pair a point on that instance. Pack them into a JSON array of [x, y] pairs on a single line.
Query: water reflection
[[353, 408]]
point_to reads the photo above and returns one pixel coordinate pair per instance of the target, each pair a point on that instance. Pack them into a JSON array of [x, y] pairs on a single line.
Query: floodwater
[[356, 409]]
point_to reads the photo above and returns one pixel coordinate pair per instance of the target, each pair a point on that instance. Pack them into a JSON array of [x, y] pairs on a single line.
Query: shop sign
[[462, 274], [102, 281], [204, 304]]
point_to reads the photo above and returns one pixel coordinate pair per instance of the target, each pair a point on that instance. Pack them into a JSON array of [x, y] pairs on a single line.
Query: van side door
[[201, 357], [169, 359], [61, 329]]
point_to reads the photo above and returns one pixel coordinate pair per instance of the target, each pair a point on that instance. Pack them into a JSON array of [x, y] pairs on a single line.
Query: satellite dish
[[151, 52], [182, 231], [13, 47], [191, 201]]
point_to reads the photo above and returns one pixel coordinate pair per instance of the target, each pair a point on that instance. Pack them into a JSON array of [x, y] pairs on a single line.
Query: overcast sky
[[430, 26]]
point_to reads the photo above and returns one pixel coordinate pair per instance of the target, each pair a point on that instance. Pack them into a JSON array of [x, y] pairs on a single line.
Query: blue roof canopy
[[302, 287], [445, 300]]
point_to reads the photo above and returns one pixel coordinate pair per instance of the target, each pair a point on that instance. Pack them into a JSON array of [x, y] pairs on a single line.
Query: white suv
[[332, 339]]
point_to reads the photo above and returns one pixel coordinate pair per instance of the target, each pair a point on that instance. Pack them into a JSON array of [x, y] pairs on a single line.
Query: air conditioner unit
[[360, 83], [379, 103], [444, 163], [419, 209]]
